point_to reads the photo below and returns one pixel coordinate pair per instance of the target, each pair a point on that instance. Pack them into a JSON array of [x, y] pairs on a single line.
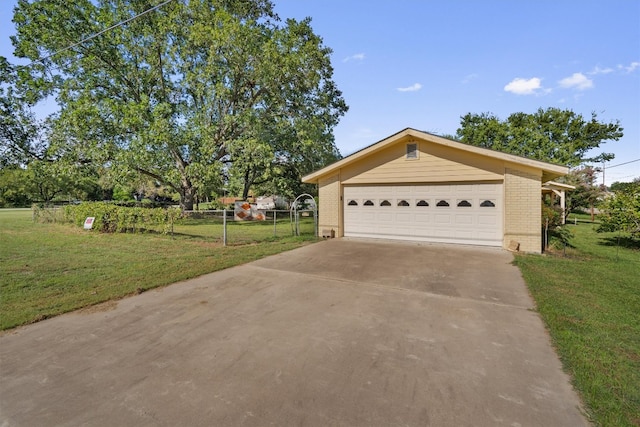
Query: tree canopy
[[587, 192], [188, 94], [30, 170], [621, 211], [625, 186], [552, 135], [22, 137]]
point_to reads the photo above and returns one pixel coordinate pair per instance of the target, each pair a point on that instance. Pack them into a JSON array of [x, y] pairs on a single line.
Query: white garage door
[[456, 213]]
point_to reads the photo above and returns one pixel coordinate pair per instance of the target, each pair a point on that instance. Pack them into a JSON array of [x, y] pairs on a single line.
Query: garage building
[[421, 187]]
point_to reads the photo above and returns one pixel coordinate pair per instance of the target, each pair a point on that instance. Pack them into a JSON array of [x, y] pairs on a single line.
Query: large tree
[[176, 93], [22, 136], [551, 135], [25, 151]]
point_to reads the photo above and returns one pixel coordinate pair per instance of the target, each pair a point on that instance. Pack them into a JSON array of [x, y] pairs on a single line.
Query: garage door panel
[[466, 190], [411, 212], [442, 219], [440, 189], [445, 233], [464, 219], [488, 219], [368, 216], [404, 190], [460, 234], [419, 218], [484, 235]]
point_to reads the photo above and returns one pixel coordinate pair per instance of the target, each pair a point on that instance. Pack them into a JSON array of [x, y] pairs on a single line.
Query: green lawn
[[590, 299], [209, 226], [49, 269], [590, 302]]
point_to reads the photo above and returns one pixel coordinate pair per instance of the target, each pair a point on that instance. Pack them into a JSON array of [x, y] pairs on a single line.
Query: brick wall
[[329, 204], [522, 221]]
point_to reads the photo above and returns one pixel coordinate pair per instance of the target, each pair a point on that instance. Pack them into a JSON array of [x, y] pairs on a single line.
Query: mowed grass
[[49, 269], [209, 226], [590, 302]]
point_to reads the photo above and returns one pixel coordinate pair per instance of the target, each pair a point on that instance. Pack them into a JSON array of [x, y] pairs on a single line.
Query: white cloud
[[469, 78], [629, 68], [597, 70], [576, 81], [521, 86], [356, 57], [414, 87]]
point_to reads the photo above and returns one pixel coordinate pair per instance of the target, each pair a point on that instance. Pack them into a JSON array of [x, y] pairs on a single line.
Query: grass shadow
[[626, 242]]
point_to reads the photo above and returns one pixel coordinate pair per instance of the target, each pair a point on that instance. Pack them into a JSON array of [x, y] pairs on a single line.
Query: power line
[[627, 176], [625, 163], [106, 29]]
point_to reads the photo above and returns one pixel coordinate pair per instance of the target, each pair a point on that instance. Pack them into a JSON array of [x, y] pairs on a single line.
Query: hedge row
[[111, 218]]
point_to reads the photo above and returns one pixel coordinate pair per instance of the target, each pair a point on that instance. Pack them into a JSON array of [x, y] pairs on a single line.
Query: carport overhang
[[559, 190]]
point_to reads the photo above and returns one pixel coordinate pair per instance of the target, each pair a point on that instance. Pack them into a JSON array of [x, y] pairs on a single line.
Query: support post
[[224, 227]]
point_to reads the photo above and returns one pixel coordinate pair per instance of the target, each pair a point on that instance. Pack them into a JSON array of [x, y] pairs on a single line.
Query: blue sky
[[423, 64]]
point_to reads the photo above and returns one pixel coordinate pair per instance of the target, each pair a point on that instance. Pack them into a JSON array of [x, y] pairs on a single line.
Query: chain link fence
[[220, 225]]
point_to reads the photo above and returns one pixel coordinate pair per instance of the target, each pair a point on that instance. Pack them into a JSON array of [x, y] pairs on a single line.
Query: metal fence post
[[224, 227], [275, 215]]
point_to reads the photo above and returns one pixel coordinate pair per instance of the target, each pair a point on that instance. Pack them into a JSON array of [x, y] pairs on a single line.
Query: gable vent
[[412, 151]]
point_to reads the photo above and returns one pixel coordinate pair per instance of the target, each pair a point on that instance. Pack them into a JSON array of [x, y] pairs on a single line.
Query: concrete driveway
[[339, 333]]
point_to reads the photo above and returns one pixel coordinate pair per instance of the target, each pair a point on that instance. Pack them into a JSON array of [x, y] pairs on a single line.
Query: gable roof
[[549, 170]]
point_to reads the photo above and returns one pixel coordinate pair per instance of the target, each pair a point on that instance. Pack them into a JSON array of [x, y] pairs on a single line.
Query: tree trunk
[[247, 184], [187, 198]]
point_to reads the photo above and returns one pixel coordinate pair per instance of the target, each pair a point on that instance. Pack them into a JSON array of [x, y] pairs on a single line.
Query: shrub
[[561, 237], [621, 212], [112, 218], [45, 214], [551, 215]]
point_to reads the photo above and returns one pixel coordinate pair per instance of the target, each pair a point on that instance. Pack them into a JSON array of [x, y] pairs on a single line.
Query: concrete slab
[[481, 273], [337, 333]]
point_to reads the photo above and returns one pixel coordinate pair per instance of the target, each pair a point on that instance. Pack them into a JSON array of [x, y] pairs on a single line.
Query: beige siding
[[522, 209], [441, 164], [434, 164], [329, 204]]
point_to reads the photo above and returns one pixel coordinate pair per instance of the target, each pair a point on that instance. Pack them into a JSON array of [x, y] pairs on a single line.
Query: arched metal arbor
[[299, 205]]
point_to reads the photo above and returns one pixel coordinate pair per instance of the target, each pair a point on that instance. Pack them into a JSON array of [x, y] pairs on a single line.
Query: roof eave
[[558, 185]]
